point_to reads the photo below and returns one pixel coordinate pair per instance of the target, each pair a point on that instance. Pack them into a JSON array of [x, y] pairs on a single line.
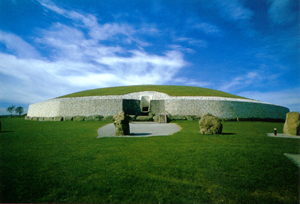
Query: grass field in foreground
[[56, 162], [168, 89]]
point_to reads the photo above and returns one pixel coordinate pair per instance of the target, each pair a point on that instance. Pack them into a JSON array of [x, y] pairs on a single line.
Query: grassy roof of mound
[[168, 89]]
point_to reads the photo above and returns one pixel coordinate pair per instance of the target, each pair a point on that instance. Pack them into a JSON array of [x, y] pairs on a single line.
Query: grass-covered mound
[[168, 89], [64, 162]]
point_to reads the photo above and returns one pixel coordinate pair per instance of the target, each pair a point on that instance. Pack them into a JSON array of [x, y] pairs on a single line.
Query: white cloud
[[80, 59], [194, 42], [181, 48], [52, 7], [39, 79], [208, 29], [106, 31], [233, 10], [18, 46], [236, 12], [280, 11], [97, 31], [239, 82]]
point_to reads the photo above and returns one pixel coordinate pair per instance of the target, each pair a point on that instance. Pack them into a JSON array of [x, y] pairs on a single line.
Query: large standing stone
[[121, 124], [210, 124], [292, 124]]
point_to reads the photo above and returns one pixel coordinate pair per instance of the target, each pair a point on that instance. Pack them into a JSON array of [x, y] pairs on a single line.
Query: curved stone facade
[[160, 103]]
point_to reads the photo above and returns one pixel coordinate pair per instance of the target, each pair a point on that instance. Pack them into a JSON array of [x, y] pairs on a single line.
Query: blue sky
[[52, 48]]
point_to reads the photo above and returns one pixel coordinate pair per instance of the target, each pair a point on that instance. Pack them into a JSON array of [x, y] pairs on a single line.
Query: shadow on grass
[[228, 134], [139, 134], [6, 131]]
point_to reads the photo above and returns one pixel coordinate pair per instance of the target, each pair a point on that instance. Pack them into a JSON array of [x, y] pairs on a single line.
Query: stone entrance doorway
[[145, 105], [162, 118]]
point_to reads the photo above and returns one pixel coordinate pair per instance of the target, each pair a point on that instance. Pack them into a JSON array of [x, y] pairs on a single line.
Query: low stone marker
[[144, 118], [292, 124], [121, 124], [78, 118], [156, 118], [210, 124], [108, 118], [94, 118], [58, 118], [178, 117], [68, 118]]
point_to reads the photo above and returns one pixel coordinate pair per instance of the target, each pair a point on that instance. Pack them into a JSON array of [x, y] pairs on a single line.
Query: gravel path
[[141, 129]]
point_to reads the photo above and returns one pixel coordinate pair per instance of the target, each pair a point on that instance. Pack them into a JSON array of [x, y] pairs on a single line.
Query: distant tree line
[[19, 110]]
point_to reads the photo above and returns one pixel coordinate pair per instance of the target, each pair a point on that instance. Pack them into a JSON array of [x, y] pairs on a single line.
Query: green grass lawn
[[170, 90], [55, 162]]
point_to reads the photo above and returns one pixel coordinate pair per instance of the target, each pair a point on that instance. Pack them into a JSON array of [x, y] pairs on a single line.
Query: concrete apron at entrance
[[141, 129]]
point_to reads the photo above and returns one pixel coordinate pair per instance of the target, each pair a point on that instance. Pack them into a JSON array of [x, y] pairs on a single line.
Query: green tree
[[19, 110], [11, 109]]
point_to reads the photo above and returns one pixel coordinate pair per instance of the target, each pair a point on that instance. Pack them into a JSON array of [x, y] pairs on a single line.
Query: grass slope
[[170, 90], [64, 162]]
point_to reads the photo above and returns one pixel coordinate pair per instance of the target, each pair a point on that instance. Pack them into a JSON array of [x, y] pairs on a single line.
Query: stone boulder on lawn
[[292, 124], [121, 124], [210, 124]]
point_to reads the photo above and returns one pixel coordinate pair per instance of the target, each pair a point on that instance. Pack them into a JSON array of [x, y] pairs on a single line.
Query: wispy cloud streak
[[78, 61], [281, 11]]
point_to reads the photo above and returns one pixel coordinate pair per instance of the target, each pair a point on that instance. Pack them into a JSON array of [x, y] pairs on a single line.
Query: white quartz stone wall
[[44, 109], [82, 106], [227, 108]]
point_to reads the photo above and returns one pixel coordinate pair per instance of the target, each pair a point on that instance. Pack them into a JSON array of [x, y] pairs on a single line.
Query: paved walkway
[[141, 129], [283, 135], [294, 157]]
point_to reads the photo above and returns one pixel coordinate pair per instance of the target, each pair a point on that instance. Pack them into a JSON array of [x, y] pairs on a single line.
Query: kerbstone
[[132, 117], [156, 118], [78, 118], [178, 117], [94, 118], [188, 117], [144, 118], [58, 118], [108, 118], [68, 118]]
